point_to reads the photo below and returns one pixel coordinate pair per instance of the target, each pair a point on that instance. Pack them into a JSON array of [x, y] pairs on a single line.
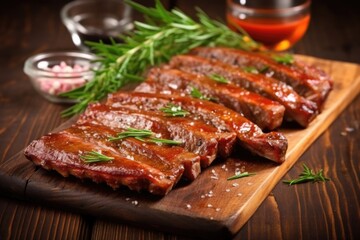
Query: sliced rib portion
[[266, 113], [271, 145], [163, 157], [63, 151], [308, 81], [297, 108], [195, 136]]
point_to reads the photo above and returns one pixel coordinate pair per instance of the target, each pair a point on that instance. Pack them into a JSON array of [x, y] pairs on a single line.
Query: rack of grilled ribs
[[298, 108], [308, 81], [244, 110]]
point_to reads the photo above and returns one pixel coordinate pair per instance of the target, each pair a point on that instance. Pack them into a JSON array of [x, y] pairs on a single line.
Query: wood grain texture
[[309, 211]]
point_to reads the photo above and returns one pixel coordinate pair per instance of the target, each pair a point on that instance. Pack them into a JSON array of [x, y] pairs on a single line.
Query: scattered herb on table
[[162, 35], [172, 110], [144, 136], [241, 175], [308, 175], [94, 156]]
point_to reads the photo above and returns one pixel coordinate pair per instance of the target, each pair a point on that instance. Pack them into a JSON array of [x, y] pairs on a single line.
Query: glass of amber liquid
[[278, 24]]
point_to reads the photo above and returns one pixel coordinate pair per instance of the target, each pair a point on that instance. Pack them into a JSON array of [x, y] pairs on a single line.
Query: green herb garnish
[[254, 70], [94, 156], [218, 78], [308, 175], [172, 110], [195, 93], [143, 135], [163, 35], [286, 59], [240, 175]]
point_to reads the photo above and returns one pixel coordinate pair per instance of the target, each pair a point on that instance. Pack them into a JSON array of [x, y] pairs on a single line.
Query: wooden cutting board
[[211, 206]]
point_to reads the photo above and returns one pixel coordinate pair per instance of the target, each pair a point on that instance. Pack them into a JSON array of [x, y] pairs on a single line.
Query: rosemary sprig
[[196, 93], [94, 156], [162, 35], [142, 135], [218, 78], [240, 175], [286, 59], [172, 110], [132, 132], [308, 175]]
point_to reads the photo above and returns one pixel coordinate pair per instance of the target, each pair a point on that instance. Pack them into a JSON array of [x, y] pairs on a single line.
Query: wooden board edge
[[235, 223]]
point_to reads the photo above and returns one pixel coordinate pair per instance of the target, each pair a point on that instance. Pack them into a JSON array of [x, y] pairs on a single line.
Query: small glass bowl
[[54, 73], [278, 24], [95, 20]]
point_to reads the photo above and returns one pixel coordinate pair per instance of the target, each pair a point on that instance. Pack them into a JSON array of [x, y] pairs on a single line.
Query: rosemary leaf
[[195, 93], [286, 59], [159, 140], [241, 175], [132, 132], [251, 69], [143, 135], [172, 110], [218, 78], [162, 35], [308, 175], [94, 156]]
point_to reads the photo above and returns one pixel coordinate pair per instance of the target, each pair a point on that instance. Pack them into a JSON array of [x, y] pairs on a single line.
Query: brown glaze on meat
[[196, 136], [162, 156], [306, 80], [266, 113], [271, 145], [297, 108], [62, 152]]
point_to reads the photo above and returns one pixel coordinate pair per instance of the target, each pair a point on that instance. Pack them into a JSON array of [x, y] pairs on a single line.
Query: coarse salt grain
[[188, 206], [235, 184], [58, 82], [135, 202], [209, 205], [224, 168], [217, 209], [227, 190], [349, 129]]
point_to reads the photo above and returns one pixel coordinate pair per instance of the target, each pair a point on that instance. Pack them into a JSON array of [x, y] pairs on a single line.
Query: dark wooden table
[[310, 211]]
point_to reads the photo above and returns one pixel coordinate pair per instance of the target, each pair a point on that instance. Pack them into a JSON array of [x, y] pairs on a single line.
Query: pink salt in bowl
[[55, 73]]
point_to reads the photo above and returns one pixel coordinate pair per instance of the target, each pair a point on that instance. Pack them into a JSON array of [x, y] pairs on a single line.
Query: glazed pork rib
[[161, 156], [195, 135], [297, 108], [266, 113], [63, 152], [271, 145], [306, 80]]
